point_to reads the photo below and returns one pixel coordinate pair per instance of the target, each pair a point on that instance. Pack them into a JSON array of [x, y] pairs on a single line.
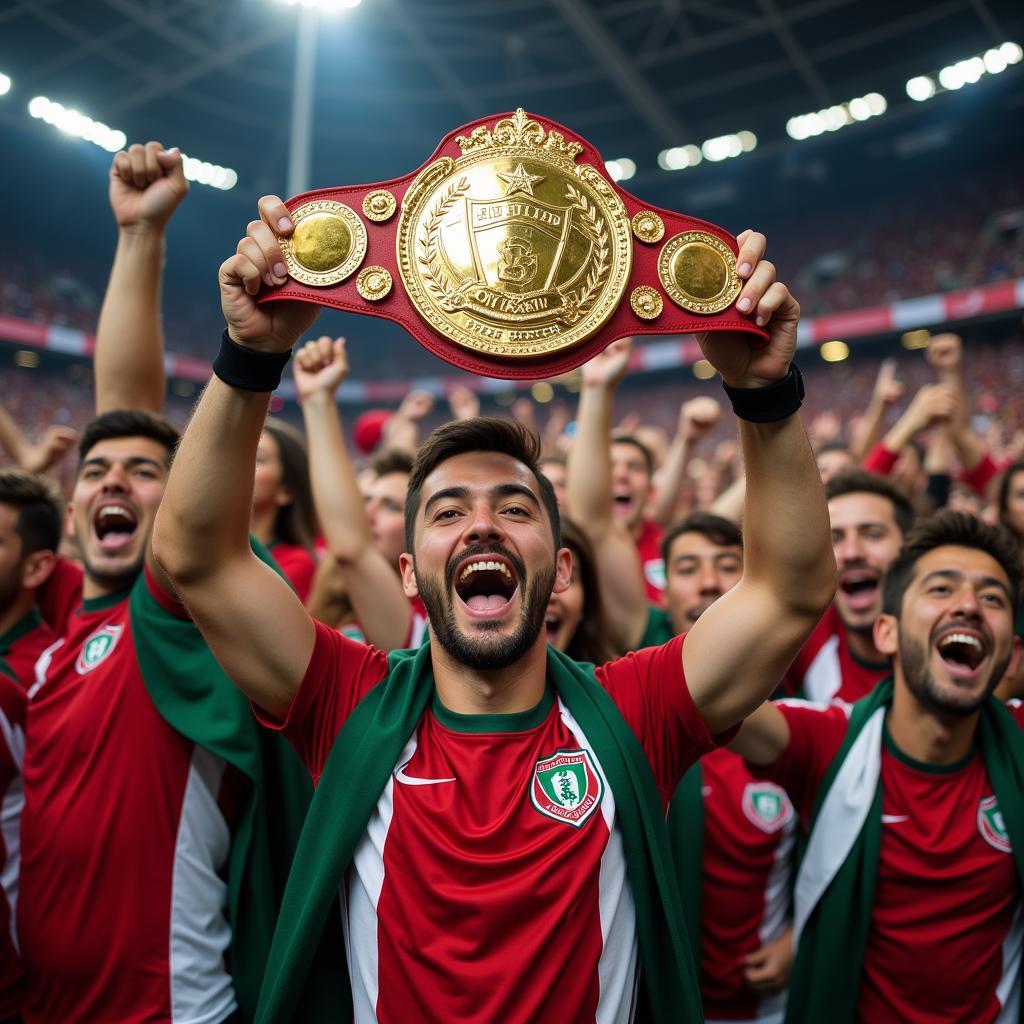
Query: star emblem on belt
[[519, 181]]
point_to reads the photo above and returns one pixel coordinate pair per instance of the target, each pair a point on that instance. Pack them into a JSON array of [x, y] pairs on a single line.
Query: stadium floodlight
[[323, 5], [831, 119], [721, 147], [5, 84], [834, 351], [703, 370], [679, 157], [620, 169], [965, 72]]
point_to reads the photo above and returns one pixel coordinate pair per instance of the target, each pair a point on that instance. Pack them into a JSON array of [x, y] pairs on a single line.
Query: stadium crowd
[[454, 675]]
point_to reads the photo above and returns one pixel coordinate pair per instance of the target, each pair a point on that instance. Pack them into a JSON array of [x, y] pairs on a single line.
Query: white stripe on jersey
[[824, 676], [1008, 989], [201, 989], [366, 880], [43, 666], [10, 822], [617, 967], [776, 913]]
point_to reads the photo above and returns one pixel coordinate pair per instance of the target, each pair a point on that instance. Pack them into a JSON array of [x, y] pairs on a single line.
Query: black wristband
[[248, 369], [771, 403]]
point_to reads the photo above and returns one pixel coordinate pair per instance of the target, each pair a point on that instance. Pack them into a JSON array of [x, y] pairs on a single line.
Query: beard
[[480, 651], [922, 685], [118, 579], [10, 589]]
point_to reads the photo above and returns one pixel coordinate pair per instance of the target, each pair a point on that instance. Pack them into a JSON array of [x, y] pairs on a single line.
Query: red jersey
[[22, 644], [649, 547], [946, 932], [12, 800], [298, 566], [826, 669], [125, 841], [746, 875], [491, 882]]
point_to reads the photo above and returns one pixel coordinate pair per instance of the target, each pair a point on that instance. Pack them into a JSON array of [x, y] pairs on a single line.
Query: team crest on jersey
[[654, 572], [992, 826], [97, 648], [766, 806], [566, 786]]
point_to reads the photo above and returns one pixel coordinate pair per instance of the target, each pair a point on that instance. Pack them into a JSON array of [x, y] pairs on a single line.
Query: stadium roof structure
[[392, 76]]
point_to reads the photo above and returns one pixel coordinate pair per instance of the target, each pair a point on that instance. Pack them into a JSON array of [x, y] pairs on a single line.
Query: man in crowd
[[463, 894], [30, 527], [147, 890], [732, 834], [869, 518], [12, 746], [908, 898]]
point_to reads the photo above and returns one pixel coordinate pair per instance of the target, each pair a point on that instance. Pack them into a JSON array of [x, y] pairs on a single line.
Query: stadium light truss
[[964, 72], [73, 122], [831, 119], [722, 147]]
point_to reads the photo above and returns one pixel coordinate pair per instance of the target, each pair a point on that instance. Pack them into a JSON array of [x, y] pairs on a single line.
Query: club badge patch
[[767, 806], [97, 648], [566, 786], [992, 826]]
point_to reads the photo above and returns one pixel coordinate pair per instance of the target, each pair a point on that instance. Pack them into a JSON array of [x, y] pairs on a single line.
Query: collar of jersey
[[517, 721], [925, 766], [101, 604], [24, 625]]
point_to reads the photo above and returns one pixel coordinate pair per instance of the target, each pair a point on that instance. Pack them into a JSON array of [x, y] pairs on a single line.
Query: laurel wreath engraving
[[597, 231], [448, 298]]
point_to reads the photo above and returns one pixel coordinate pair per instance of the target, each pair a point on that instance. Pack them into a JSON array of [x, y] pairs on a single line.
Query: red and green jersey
[[12, 799], [297, 564], [946, 930], [826, 669], [491, 884], [125, 837], [746, 879], [22, 644], [648, 546]]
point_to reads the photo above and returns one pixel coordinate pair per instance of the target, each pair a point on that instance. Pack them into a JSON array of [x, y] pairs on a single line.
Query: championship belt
[[512, 254]]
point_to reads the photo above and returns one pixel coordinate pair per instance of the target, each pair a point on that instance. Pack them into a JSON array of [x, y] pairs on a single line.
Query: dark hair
[[860, 481], [717, 529], [390, 460], [128, 423], [591, 641], [38, 504], [479, 434], [295, 523], [1004, 497], [956, 529], [640, 446]]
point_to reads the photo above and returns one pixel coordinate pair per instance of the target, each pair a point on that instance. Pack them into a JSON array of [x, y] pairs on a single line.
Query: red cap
[[368, 429]]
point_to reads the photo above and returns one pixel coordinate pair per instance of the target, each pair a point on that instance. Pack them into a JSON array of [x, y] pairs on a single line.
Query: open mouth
[[552, 624], [486, 586], [962, 651], [623, 501], [860, 588], [115, 526]]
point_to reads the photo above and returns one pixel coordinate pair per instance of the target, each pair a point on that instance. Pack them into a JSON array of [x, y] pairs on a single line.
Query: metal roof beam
[[618, 65], [796, 53]]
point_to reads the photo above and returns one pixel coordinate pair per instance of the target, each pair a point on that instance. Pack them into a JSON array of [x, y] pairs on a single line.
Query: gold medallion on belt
[[514, 249]]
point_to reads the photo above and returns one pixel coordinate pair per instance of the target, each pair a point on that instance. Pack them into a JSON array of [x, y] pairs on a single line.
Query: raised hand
[[888, 390], [698, 417], [276, 326], [55, 444], [770, 305], [320, 366], [464, 404], [416, 405], [944, 353], [609, 366], [146, 185]]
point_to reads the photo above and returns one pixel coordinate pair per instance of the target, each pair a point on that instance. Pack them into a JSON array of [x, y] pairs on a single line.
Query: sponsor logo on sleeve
[[566, 786], [766, 806], [992, 826], [97, 648]]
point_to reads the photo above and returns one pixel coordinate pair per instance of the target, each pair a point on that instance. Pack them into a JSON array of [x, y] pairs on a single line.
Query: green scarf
[[367, 749], [836, 883], [686, 837], [194, 696]]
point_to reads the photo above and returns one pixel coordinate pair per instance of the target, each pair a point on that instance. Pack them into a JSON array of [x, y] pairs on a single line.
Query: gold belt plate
[[514, 249]]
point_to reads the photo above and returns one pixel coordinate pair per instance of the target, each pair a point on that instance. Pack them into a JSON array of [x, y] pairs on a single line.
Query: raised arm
[[373, 586], [739, 648], [886, 393], [697, 418], [146, 185], [589, 495], [34, 457], [254, 623]]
